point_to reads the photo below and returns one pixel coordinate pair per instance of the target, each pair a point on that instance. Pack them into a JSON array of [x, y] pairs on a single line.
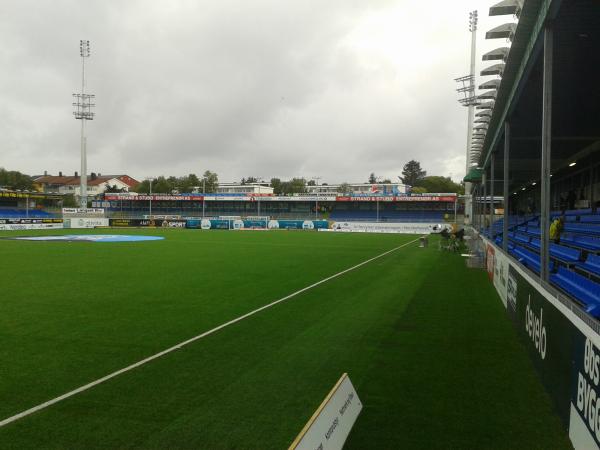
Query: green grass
[[425, 341]]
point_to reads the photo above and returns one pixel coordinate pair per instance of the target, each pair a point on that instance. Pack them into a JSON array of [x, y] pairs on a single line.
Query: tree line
[[412, 175]]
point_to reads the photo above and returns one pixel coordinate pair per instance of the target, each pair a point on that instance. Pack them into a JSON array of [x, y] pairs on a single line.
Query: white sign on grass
[[330, 425]]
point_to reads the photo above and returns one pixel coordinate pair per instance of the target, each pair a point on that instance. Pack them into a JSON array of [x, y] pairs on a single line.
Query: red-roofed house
[[96, 183]]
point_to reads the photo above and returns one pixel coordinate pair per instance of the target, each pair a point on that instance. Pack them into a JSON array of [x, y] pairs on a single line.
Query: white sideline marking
[[189, 341]]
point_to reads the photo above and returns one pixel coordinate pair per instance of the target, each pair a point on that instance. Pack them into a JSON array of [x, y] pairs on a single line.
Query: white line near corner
[[85, 387]]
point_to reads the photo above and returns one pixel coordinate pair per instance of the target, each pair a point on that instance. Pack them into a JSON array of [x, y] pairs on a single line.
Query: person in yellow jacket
[[556, 228]]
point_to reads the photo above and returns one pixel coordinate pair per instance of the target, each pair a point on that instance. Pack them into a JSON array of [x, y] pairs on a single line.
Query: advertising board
[[385, 227], [563, 343], [85, 222]]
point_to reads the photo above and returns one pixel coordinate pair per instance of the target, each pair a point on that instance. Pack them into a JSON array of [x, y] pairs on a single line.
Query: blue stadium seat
[[527, 258], [590, 219], [578, 286], [580, 241], [582, 228], [591, 264], [565, 254], [521, 238]]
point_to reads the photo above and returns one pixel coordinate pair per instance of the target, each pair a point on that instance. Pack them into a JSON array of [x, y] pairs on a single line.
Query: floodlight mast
[[83, 111], [470, 100]]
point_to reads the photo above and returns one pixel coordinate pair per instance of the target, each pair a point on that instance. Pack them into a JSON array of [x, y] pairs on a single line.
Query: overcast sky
[[334, 89]]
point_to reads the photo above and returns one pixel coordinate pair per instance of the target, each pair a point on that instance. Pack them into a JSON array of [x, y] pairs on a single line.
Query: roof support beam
[[505, 187], [546, 152], [492, 197]]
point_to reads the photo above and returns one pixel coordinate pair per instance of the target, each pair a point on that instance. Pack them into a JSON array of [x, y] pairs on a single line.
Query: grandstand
[[429, 208], [28, 205], [540, 148]]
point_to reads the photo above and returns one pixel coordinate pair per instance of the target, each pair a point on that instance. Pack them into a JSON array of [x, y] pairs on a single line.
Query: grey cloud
[[263, 88]]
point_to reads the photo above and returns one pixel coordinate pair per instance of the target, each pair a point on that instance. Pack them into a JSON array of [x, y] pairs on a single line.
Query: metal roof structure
[[496, 69], [576, 101], [497, 54], [506, 30], [507, 7]]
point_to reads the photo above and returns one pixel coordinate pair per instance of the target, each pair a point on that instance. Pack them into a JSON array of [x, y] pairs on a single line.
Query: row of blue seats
[[591, 263], [586, 291], [567, 255], [572, 212], [6, 213], [581, 241]]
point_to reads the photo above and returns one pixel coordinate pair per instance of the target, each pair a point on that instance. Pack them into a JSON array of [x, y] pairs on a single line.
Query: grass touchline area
[[188, 341], [425, 341]]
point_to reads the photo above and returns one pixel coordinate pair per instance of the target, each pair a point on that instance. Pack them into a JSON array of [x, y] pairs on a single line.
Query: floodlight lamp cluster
[[473, 21], [84, 48], [83, 106]]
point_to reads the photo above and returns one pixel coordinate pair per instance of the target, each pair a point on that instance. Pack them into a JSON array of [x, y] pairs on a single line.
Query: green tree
[[387, 181], [113, 189], [276, 185], [249, 180], [162, 185], [15, 180], [188, 183], [440, 185], [68, 201], [372, 178], [143, 187], [344, 188], [211, 181], [295, 186], [418, 190], [412, 173]]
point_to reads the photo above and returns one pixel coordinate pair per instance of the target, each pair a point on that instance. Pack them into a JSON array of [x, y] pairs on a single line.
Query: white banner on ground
[[30, 226], [389, 227], [330, 425], [86, 222]]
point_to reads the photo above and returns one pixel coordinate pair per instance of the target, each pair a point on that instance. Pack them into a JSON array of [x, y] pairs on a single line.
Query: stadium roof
[[576, 105]]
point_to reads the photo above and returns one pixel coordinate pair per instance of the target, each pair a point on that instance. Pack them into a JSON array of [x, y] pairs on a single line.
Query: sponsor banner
[[86, 222], [584, 425], [153, 197], [164, 223], [303, 224], [28, 221], [91, 238], [331, 424], [39, 195], [304, 198], [100, 204], [282, 198], [385, 227], [501, 267], [238, 224], [548, 336], [563, 347], [489, 260], [401, 198], [497, 267], [30, 226], [84, 211]]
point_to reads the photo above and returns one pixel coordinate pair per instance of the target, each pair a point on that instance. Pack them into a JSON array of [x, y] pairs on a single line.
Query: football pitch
[[425, 341]]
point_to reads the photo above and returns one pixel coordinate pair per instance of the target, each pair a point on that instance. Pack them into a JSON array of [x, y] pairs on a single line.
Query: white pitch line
[[85, 387]]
